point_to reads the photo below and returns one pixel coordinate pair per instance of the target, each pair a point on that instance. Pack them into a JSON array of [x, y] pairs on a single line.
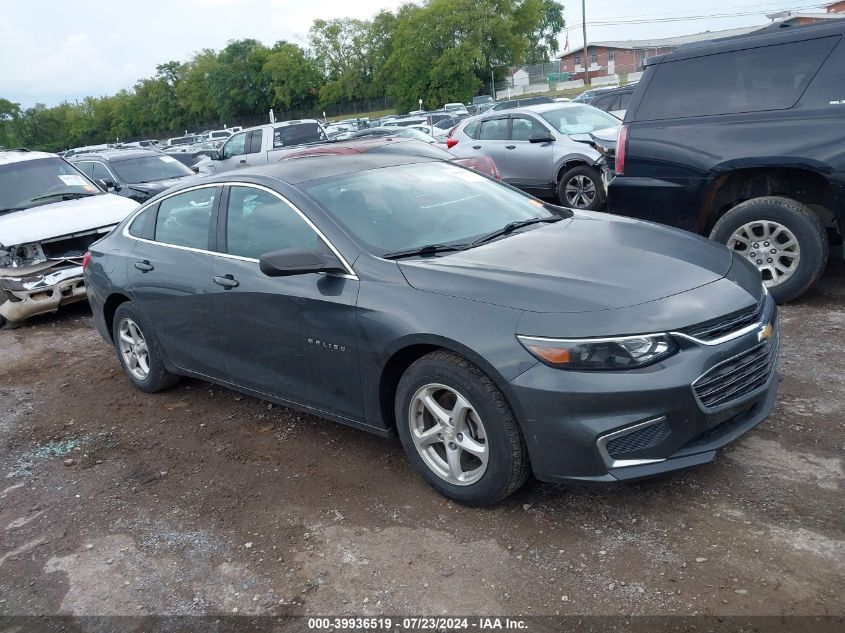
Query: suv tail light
[[86, 259], [621, 147], [451, 142]]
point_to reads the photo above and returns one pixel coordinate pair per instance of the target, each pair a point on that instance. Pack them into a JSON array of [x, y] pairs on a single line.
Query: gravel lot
[[202, 501]]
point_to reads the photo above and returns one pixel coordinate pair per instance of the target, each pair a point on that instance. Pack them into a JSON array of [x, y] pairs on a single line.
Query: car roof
[[8, 156], [777, 33], [294, 172], [115, 155]]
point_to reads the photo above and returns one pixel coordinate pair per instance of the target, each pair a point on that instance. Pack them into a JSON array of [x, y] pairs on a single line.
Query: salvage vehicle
[[262, 145], [403, 294], [743, 139], [137, 174], [49, 214], [535, 150]]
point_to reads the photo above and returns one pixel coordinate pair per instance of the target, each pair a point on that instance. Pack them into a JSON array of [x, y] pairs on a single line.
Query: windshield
[[580, 119], [32, 183], [410, 206], [149, 169]]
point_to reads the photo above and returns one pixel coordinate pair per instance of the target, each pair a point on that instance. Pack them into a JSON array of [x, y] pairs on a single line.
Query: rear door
[[169, 270], [255, 154], [292, 337], [490, 140]]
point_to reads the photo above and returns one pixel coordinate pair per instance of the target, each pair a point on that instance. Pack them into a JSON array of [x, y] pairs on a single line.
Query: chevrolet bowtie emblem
[[765, 333]]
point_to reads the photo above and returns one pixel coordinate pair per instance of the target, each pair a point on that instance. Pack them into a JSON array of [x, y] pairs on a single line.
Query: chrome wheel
[[448, 434], [133, 349], [580, 192], [771, 247]]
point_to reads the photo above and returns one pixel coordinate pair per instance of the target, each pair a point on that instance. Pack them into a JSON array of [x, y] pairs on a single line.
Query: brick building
[[627, 56]]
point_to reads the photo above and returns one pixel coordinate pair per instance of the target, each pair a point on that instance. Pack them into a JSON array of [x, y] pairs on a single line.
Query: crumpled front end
[[31, 290], [40, 277]]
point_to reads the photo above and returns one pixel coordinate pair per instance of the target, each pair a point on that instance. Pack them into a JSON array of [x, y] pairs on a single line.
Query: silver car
[[534, 149]]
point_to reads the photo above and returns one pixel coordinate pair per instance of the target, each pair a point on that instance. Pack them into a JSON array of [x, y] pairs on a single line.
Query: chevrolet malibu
[[498, 336]]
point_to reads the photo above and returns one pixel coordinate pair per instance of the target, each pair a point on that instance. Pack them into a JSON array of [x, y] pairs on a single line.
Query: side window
[[143, 225], [751, 80], [184, 219], [494, 130], [624, 101], [471, 130], [86, 168], [523, 127], [101, 173], [235, 145], [254, 142], [603, 103], [258, 223]]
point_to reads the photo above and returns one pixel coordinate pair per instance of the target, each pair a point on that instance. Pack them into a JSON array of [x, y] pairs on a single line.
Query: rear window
[[298, 134], [751, 80]]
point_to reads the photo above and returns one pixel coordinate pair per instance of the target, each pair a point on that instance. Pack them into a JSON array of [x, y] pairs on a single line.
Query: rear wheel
[[782, 238], [138, 351], [581, 188], [458, 431]]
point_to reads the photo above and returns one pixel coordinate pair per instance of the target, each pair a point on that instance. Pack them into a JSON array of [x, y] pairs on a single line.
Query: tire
[[577, 177], [156, 377], [488, 425], [800, 257]]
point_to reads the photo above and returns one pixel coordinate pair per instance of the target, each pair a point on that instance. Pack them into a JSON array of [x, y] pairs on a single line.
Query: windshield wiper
[[10, 209], [512, 226], [67, 195], [429, 250]]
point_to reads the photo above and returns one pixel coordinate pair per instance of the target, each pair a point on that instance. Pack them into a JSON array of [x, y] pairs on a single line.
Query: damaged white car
[[49, 214]]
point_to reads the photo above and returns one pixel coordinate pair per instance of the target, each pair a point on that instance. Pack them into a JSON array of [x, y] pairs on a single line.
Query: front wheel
[[138, 351], [782, 238], [581, 188], [458, 431]]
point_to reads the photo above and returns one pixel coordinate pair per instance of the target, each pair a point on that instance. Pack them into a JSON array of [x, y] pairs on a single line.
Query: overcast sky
[[52, 51]]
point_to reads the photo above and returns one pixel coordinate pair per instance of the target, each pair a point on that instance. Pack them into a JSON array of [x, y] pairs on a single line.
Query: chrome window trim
[[350, 274], [601, 445]]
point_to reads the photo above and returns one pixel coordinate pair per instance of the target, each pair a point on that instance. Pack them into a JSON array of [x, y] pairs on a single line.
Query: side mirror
[[541, 138], [298, 261], [107, 184], [216, 154]]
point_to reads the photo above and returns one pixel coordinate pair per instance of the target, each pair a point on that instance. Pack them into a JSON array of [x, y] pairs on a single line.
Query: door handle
[[226, 281], [242, 161], [476, 147], [144, 266], [510, 146]]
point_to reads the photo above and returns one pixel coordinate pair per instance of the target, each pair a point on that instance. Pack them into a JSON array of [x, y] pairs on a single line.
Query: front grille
[[638, 440], [738, 377], [721, 326]]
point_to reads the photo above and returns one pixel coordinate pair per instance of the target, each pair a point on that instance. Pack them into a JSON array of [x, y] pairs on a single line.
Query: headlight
[[625, 352]]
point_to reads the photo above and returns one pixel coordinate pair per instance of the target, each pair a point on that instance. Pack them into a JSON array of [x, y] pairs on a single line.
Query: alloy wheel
[[771, 247], [448, 434], [580, 192], [133, 349]]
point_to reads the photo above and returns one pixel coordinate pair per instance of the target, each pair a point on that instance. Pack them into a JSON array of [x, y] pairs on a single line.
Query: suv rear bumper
[[666, 201]]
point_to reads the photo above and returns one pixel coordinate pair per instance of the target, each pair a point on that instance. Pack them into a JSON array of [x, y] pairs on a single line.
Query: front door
[[292, 337], [529, 165], [233, 153]]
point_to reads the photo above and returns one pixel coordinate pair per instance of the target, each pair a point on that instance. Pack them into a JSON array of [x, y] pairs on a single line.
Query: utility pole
[[584, 27], [492, 84]]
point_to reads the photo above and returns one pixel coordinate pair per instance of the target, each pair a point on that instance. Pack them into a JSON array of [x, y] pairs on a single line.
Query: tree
[[294, 78]]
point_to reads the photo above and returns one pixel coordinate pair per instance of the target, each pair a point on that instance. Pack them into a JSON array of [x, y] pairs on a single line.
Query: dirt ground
[[202, 501]]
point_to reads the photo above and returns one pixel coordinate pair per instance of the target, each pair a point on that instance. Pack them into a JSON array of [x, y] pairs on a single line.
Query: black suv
[[138, 174], [743, 139]]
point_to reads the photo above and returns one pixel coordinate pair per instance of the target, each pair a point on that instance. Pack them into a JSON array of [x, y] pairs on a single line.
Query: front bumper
[[34, 290], [611, 426]]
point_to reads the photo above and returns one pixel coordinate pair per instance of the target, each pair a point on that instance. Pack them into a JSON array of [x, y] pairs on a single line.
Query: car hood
[[591, 262], [62, 218]]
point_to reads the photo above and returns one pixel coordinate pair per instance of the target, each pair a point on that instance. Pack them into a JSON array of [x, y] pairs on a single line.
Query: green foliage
[[439, 51]]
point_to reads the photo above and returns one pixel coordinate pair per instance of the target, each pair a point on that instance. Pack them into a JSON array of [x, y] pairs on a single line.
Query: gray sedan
[[406, 295], [534, 149]]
